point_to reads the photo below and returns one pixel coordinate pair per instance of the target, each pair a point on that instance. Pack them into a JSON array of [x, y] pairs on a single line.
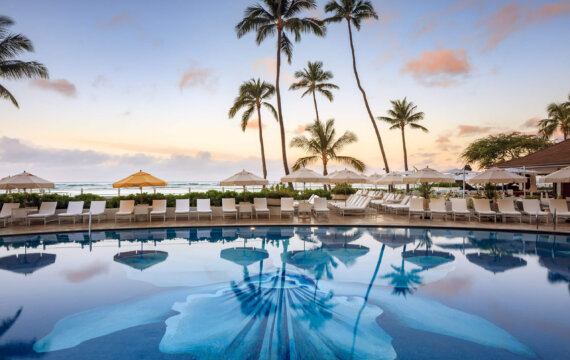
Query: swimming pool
[[285, 292]]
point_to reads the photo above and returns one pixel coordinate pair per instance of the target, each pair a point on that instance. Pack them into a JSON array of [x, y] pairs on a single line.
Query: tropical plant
[[314, 79], [279, 17], [495, 149], [322, 144], [252, 96], [558, 119], [402, 114], [354, 12], [12, 45]]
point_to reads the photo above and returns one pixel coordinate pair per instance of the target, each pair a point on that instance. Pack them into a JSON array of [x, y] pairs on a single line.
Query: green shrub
[[341, 189]]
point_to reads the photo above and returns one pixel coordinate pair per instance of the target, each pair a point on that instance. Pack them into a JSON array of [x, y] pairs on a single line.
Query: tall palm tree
[[252, 96], [279, 17], [323, 145], [354, 11], [558, 118], [402, 114], [312, 79], [12, 45]]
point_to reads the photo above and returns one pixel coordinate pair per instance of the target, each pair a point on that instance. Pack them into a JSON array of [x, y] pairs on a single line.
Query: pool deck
[[380, 220]]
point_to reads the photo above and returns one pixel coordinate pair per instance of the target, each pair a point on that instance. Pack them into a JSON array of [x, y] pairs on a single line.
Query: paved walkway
[[379, 220]]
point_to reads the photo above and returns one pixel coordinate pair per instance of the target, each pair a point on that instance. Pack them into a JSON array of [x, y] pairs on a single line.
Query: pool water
[[285, 292]]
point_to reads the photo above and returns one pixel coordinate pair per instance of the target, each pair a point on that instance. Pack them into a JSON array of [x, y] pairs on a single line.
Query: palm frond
[[286, 47], [246, 116], [270, 107], [15, 69], [304, 161], [351, 161], [5, 94], [13, 45]]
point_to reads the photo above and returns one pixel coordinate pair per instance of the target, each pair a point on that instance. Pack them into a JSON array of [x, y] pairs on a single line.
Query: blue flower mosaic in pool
[[285, 293]]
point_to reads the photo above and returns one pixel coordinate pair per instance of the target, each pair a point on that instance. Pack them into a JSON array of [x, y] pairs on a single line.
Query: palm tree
[[278, 17], [402, 114], [354, 11], [323, 145], [558, 118], [12, 45], [313, 79], [252, 95]]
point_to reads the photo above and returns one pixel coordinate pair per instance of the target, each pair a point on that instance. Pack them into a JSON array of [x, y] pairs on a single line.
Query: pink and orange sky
[[137, 86]]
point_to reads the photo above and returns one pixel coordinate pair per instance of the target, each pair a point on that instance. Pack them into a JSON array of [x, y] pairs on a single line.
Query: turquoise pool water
[[285, 292]]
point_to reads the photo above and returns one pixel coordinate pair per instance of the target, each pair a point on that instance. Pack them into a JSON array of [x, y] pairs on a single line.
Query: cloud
[[196, 76], [253, 124], [469, 130], [440, 67], [61, 86], [431, 21], [267, 67], [514, 17], [531, 123], [300, 129], [86, 273], [119, 20], [88, 165]]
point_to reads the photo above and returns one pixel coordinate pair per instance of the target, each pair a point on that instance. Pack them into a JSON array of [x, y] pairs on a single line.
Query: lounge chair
[[6, 212], [158, 209], [260, 207], [182, 208], [74, 210], [203, 208], [245, 208], [531, 207], [97, 208], [559, 206], [507, 210], [358, 208], [437, 207], [47, 210], [287, 207], [126, 209], [416, 208], [459, 208], [320, 207], [229, 207], [395, 208], [483, 209]]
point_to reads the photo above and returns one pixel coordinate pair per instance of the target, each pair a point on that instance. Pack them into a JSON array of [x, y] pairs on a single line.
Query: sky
[[142, 85]]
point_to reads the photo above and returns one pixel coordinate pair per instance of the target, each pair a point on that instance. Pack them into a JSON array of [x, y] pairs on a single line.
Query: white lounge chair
[[47, 210], [483, 209], [287, 207], [320, 207], [358, 208], [437, 207], [74, 210], [97, 208], [531, 207], [158, 209], [559, 206], [126, 209], [459, 208], [6, 213], [260, 207], [401, 206], [416, 208], [245, 208], [182, 208], [229, 207], [203, 208], [507, 209]]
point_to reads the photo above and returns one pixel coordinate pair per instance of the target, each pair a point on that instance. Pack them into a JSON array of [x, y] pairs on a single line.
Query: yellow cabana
[[140, 180]]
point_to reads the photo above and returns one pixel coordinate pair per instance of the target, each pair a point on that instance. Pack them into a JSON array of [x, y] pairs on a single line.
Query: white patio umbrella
[[304, 175], [25, 181], [346, 177], [391, 179], [243, 178], [560, 176], [428, 175], [497, 176], [374, 178]]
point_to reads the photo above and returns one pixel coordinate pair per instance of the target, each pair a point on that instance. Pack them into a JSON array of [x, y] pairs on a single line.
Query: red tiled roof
[[555, 155]]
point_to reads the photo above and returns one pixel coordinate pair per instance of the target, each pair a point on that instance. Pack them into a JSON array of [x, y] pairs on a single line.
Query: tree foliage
[[11, 46], [558, 119], [495, 149]]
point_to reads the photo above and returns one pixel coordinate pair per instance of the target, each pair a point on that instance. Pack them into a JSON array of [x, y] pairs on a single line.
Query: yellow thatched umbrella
[[140, 180]]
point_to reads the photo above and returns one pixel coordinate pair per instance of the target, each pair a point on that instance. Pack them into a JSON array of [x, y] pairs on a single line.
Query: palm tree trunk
[[325, 171], [315, 101], [261, 142], [405, 155], [279, 112], [366, 100]]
